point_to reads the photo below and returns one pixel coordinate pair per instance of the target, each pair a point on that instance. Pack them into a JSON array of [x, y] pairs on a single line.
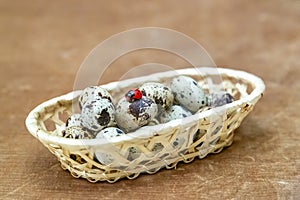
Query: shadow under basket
[[149, 148]]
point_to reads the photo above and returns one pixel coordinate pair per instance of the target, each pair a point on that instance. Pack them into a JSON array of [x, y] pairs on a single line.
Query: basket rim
[[31, 121]]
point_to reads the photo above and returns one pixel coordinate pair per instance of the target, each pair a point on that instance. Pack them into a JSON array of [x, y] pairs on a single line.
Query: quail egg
[[133, 153], [178, 142], [92, 93], [110, 132], [219, 99], [133, 115], [107, 133], [188, 93], [77, 132], [74, 120], [157, 147], [176, 112], [98, 114], [159, 93]]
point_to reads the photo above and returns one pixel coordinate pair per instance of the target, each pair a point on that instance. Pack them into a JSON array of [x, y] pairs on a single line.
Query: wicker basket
[[205, 132]]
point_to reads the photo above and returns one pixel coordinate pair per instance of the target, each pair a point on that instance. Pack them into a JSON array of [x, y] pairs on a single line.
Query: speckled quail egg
[[110, 132], [157, 147], [92, 93], [176, 112], [219, 99], [77, 132], [98, 114], [107, 158], [74, 120], [133, 115], [107, 133], [188, 93], [159, 93], [133, 153], [178, 142]]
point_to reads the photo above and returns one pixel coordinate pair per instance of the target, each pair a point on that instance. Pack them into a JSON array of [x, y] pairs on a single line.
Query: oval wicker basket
[[205, 132]]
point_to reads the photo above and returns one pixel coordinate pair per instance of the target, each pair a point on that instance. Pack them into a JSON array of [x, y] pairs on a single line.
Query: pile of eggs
[[150, 104]]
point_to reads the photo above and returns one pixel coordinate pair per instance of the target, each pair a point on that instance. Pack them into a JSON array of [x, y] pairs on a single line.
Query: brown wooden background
[[42, 44]]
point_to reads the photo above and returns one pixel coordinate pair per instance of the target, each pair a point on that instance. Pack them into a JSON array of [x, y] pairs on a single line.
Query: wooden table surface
[[44, 42]]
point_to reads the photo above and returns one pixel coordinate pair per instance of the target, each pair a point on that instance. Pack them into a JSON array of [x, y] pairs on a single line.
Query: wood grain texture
[[43, 44]]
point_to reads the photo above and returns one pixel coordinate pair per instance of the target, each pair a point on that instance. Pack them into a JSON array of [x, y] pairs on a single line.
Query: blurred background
[[43, 43]]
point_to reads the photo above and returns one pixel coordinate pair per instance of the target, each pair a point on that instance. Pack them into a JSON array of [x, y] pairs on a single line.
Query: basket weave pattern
[[157, 146]]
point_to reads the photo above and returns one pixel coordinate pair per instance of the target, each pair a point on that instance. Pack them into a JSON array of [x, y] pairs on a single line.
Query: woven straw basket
[[205, 132]]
